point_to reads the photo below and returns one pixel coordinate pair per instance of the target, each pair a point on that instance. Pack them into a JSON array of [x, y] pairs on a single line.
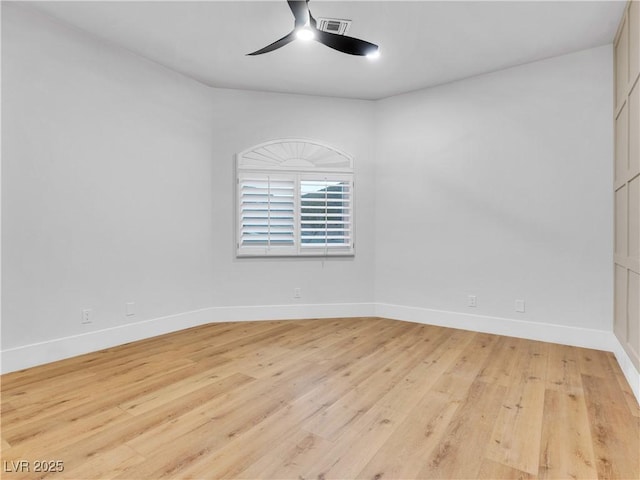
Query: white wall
[[244, 119], [117, 186], [498, 186]]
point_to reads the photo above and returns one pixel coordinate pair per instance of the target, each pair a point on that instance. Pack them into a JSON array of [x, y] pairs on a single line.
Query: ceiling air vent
[[333, 25]]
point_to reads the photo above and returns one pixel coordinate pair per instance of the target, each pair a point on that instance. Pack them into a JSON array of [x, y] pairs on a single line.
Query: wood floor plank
[[57, 431], [563, 369], [324, 331], [456, 381], [499, 367], [85, 364], [266, 389], [4, 445], [216, 423], [420, 380], [303, 351], [285, 459], [331, 398], [403, 454], [566, 446], [139, 369], [227, 414], [268, 362], [345, 348], [356, 446], [108, 465], [515, 441], [393, 364], [593, 363], [246, 447], [175, 391], [239, 345], [65, 384], [327, 393], [33, 376], [616, 442], [92, 399], [390, 367], [464, 442], [422, 431], [79, 451], [491, 470]]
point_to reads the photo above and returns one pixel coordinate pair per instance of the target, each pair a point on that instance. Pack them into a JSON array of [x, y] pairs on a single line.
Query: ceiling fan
[[305, 28]]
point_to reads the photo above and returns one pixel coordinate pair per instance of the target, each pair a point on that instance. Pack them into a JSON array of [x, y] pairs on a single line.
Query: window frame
[[294, 160]]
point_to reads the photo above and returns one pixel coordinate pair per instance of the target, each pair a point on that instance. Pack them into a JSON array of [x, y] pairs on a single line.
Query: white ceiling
[[422, 43]]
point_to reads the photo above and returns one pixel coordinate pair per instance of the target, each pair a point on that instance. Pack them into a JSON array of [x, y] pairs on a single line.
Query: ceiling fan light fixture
[[305, 33], [305, 27], [373, 54]]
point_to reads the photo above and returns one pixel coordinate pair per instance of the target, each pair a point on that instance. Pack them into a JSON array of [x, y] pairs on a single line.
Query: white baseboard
[[628, 368], [26, 356], [545, 332]]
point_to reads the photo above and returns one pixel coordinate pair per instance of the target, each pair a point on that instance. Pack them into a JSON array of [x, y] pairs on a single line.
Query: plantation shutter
[[267, 212], [325, 213]]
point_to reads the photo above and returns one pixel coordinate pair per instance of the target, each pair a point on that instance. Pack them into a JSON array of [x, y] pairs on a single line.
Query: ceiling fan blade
[[344, 44], [290, 37], [300, 10]]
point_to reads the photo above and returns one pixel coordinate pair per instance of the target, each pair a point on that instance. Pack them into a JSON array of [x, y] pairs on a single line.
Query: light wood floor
[[346, 398]]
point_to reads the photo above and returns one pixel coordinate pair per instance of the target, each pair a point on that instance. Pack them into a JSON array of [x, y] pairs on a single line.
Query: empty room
[[317, 240]]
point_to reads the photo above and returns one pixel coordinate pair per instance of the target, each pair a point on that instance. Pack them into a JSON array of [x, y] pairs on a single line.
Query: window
[[294, 198]]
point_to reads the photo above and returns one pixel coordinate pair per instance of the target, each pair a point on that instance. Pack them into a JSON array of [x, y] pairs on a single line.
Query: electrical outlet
[[520, 306], [297, 293], [130, 309], [472, 301], [87, 316]]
